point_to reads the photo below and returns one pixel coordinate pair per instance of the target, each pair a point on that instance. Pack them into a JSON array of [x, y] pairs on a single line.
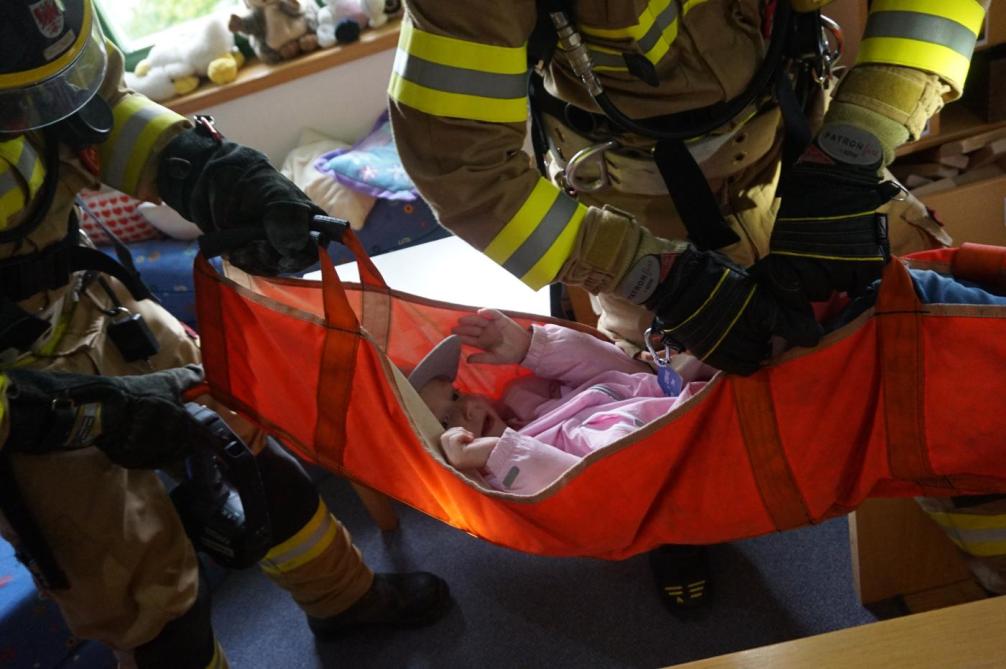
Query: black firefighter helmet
[[52, 60]]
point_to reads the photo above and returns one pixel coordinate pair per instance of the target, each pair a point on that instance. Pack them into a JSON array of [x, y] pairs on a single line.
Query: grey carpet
[[517, 610]]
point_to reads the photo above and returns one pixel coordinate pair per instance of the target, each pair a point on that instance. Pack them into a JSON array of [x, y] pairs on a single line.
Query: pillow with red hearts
[[119, 212]]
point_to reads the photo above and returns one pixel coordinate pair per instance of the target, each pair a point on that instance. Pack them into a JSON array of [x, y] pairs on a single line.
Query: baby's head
[[434, 378]]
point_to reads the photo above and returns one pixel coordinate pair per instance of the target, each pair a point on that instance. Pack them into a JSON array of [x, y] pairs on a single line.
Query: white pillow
[[168, 221]]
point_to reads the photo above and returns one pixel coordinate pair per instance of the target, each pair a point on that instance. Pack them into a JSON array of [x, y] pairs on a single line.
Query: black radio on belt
[[222, 502], [131, 335]]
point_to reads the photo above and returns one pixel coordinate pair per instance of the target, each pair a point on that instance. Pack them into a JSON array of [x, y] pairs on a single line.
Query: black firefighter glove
[[139, 422], [220, 185], [712, 308], [828, 235]]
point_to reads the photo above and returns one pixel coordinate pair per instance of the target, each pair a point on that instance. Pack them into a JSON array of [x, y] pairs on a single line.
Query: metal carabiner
[[648, 337], [577, 161], [827, 57]]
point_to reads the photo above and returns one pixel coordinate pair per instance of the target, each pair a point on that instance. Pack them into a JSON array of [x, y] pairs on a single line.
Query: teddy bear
[[174, 67], [278, 29]]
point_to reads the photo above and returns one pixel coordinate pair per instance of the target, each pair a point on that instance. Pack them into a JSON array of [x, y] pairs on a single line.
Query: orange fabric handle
[[982, 264]]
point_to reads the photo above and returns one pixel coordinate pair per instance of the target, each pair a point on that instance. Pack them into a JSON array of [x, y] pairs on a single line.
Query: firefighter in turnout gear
[[694, 169], [93, 373]]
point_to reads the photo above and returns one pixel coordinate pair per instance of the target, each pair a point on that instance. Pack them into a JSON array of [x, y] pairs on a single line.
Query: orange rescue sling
[[908, 399]]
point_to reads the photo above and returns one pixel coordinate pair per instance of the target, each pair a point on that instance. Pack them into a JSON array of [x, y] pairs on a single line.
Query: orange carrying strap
[[756, 412], [982, 264], [899, 322]]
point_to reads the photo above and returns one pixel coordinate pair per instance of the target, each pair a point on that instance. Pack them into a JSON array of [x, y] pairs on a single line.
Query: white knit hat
[[441, 362]]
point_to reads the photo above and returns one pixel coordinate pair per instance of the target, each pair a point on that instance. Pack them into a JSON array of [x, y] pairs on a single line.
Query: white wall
[[342, 102]]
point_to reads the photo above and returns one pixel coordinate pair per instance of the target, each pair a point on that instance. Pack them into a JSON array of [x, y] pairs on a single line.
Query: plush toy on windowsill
[[340, 21], [174, 67], [278, 29]]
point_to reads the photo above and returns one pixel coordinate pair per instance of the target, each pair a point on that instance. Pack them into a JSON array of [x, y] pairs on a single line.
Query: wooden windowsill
[[256, 76]]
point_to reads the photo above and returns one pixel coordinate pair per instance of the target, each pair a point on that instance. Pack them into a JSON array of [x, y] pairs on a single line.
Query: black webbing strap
[[121, 250], [539, 137], [695, 202], [51, 268], [796, 126]]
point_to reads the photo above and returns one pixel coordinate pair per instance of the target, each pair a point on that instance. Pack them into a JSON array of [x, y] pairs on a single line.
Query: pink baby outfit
[[585, 395]]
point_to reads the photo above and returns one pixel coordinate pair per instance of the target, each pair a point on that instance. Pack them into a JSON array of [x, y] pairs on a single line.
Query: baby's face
[[453, 409]]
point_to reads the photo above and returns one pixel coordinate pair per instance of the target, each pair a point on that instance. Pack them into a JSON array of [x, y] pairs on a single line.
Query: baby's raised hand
[[501, 339], [464, 451]]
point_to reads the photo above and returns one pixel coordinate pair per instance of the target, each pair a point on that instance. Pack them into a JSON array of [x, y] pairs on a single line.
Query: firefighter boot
[[396, 600], [682, 576]]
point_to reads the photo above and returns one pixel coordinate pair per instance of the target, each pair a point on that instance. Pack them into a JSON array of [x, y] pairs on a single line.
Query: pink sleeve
[[523, 465], [575, 357]]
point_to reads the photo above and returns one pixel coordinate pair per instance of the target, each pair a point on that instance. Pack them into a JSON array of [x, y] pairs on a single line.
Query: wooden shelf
[[256, 76], [956, 122]]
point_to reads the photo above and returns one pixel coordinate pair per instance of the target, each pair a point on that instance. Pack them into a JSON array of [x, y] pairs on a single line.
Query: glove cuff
[[905, 97], [43, 419]]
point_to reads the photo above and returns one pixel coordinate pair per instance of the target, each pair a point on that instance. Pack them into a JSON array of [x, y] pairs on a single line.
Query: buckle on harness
[[572, 183]]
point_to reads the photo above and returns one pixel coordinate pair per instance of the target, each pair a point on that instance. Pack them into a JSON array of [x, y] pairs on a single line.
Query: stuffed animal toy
[[278, 29], [340, 21], [175, 67]]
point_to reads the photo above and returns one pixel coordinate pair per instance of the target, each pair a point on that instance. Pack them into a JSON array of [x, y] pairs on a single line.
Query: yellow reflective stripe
[[457, 105], [969, 521], [520, 226], [981, 548], [139, 123], [539, 238], [219, 660], [22, 174], [934, 58], [3, 395], [23, 157], [12, 196], [449, 77], [37, 176], [308, 543], [461, 53], [546, 269], [39, 74], [654, 31], [968, 13]]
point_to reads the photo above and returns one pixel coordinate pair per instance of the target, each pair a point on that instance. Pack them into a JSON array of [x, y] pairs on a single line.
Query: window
[[135, 25]]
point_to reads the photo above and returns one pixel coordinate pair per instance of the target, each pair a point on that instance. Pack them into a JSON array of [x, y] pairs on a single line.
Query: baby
[[585, 394]]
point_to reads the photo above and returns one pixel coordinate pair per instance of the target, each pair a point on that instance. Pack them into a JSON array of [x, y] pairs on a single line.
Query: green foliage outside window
[[153, 17], [134, 24]]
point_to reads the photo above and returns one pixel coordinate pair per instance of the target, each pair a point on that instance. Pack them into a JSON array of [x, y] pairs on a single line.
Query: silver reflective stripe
[[8, 182], [543, 237], [978, 536], [115, 173], [309, 542], [459, 80], [26, 161], [923, 28], [660, 24], [605, 59]]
